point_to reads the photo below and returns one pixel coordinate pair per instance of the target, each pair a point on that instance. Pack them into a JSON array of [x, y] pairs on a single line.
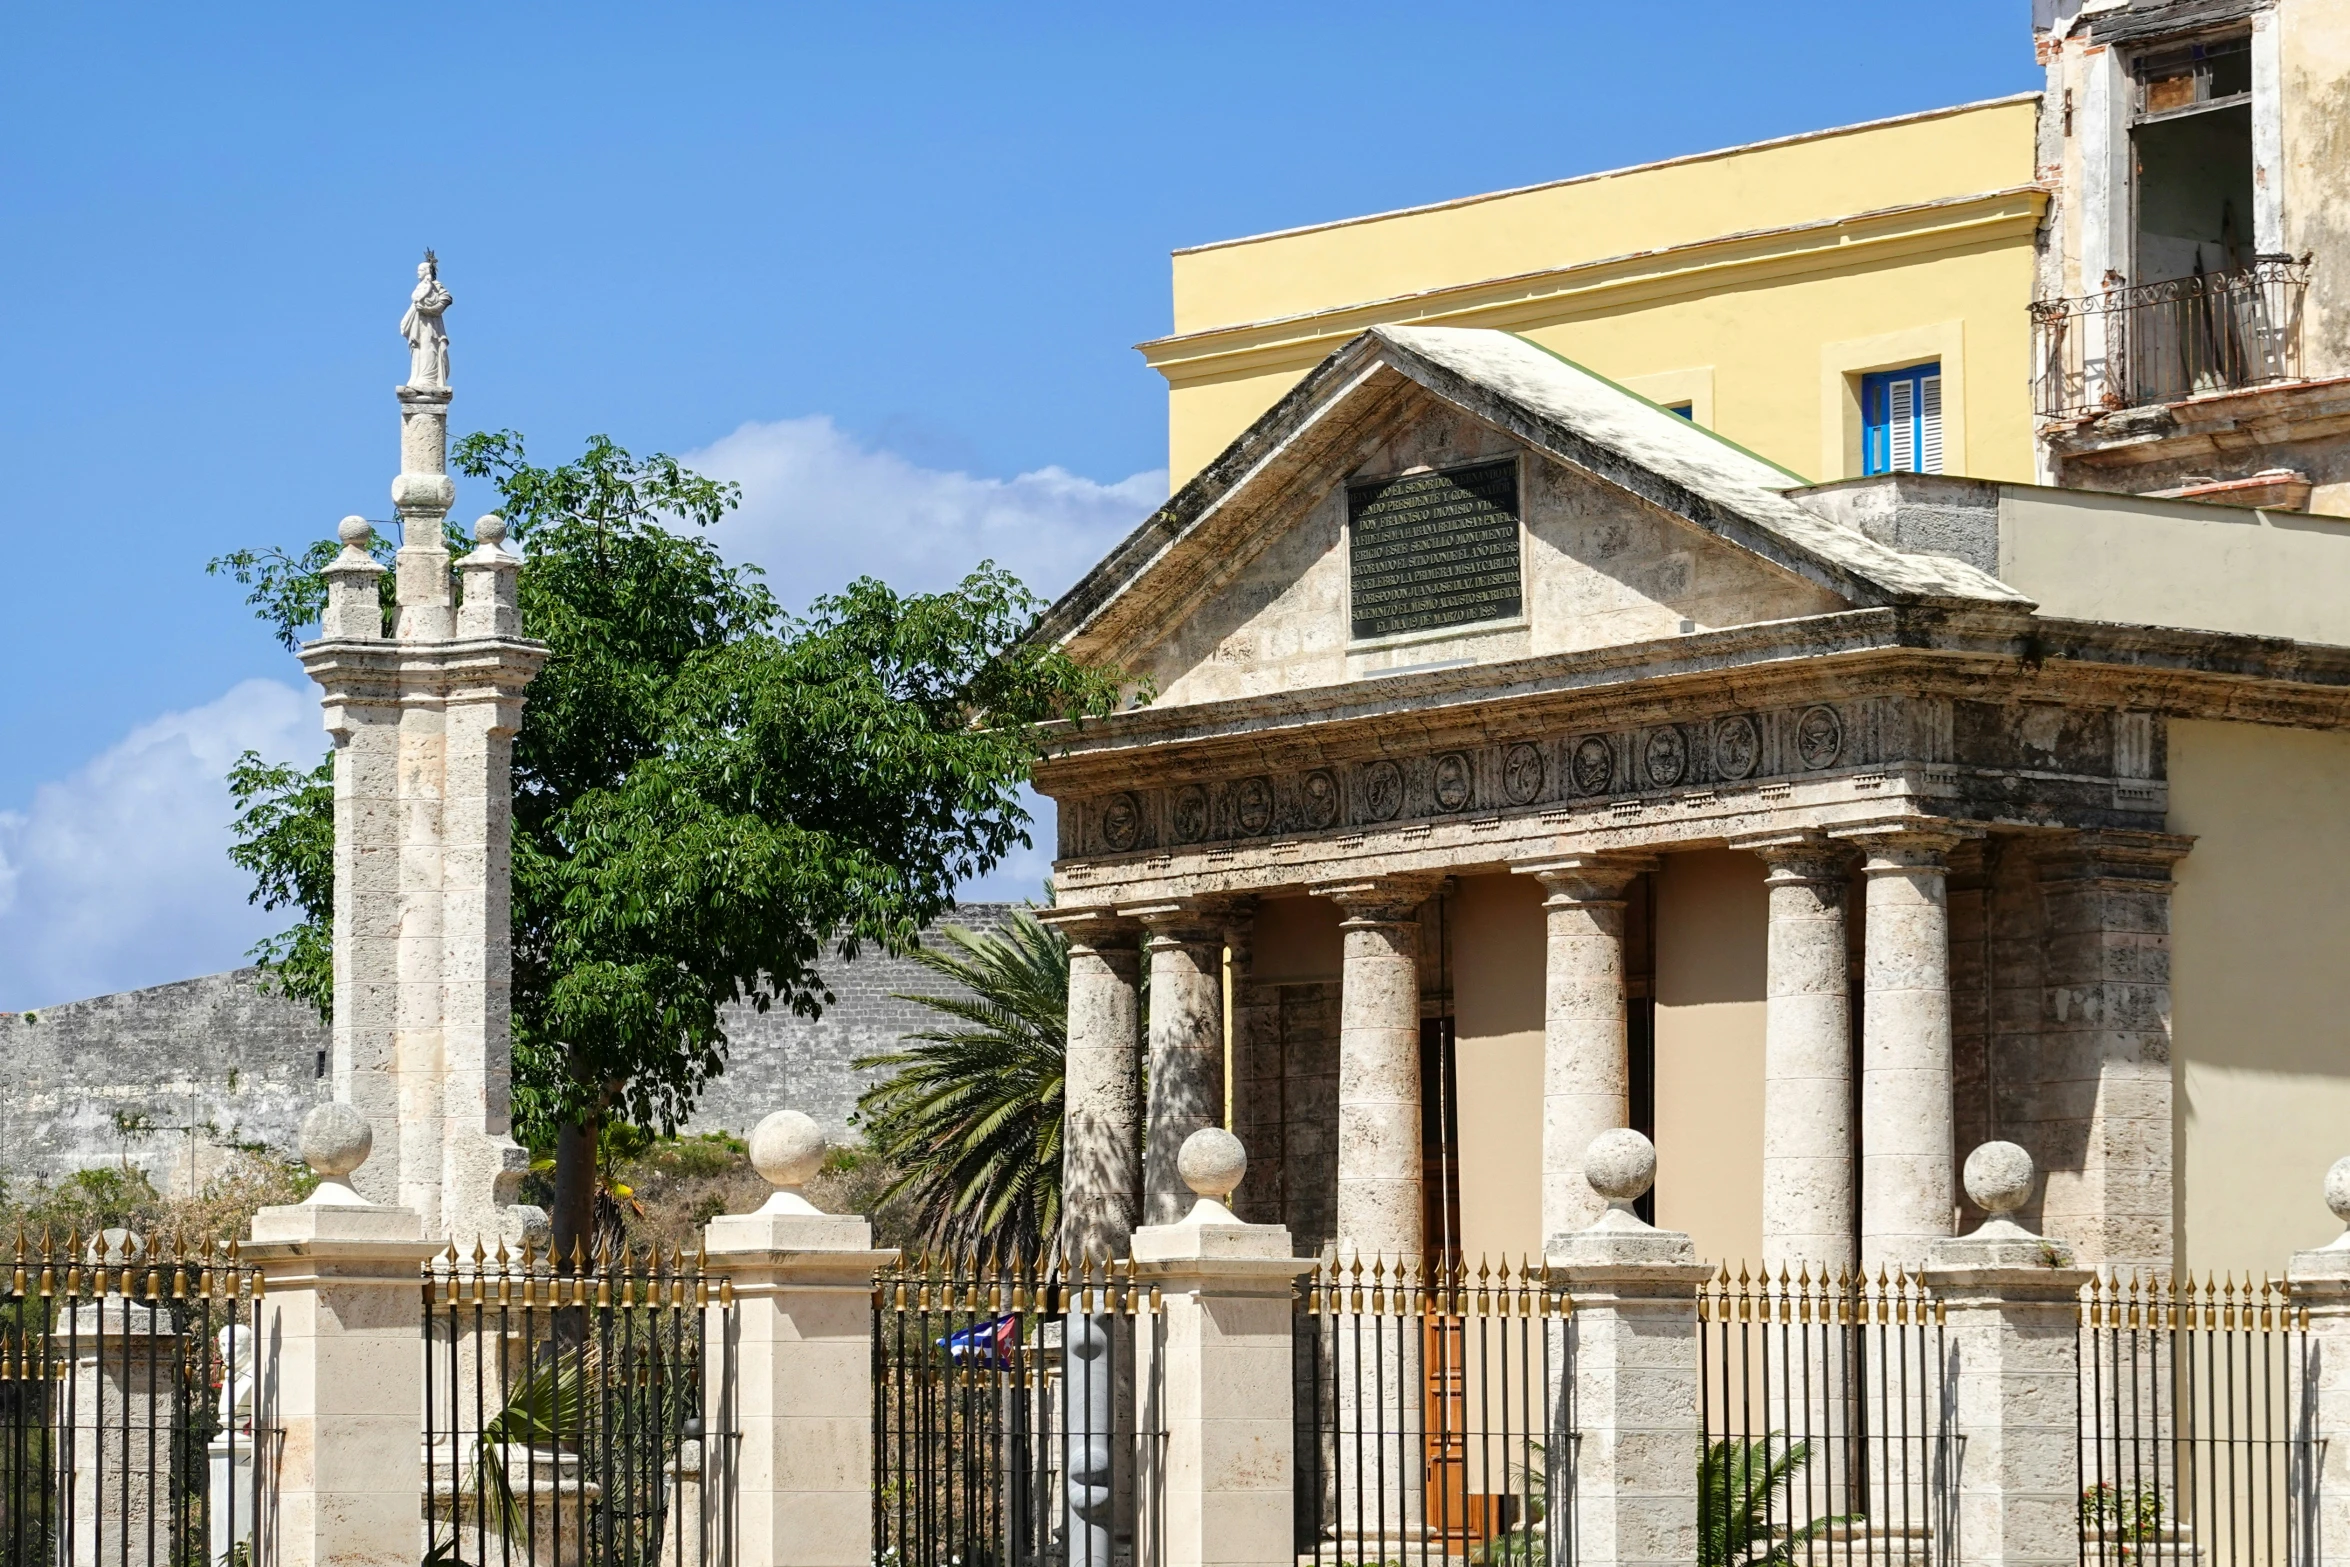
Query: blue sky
[[883, 263]]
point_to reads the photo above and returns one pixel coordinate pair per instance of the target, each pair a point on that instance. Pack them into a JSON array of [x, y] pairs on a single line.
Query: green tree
[[711, 798], [970, 1115]]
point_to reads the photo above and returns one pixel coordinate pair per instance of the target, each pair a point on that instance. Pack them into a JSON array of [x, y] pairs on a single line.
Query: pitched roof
[[1565, 411]]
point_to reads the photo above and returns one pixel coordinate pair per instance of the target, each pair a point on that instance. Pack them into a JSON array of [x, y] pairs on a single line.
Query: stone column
[[339, 1369], [1633, 1469], [1186, 949], [2011, 1313], [2104, 1054], [1908, 1185], [802, 1283], [118, 1416], [1379, 1213], [1101, 1140], [2318, 1281], [1586, 1066], [1222, 1370], [1807, 1175]]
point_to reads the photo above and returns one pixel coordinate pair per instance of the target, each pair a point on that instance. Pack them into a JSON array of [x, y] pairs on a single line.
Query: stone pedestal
[[1224, 1379], [1586, 1065], [2011, 1332], [803, 1377], [1632, 1468], [121, 1417], [341, 1374], [2318, 1281]]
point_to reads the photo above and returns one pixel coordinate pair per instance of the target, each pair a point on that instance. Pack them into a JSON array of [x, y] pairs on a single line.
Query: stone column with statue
[[423, 720]]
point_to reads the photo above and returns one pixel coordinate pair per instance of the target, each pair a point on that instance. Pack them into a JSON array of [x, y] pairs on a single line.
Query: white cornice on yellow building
[[1613, 283]]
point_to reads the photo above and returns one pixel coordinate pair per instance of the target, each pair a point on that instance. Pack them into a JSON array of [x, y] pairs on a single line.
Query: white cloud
[[118, 876], [819, 509]]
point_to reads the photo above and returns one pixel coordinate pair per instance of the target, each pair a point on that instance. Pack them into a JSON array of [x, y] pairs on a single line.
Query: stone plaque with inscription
[[1434, 549]]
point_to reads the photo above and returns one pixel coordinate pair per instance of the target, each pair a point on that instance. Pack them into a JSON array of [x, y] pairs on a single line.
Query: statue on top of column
[[428, 341]]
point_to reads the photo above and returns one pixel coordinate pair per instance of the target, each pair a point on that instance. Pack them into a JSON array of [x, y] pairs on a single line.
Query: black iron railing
[[1434, 1418], [566, 1411], [1829, 1438], [2196, 1446], [129, 1418], [2160, 342], [1017, 1416]]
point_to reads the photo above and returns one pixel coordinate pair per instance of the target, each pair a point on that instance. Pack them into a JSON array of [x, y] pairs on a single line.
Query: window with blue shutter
[[1901, 420]]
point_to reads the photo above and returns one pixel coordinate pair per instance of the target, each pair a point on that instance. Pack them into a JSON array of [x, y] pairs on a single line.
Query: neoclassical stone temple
[[1512, 759]]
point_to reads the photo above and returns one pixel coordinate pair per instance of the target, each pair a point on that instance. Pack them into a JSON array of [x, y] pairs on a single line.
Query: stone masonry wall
[[172, 1079]]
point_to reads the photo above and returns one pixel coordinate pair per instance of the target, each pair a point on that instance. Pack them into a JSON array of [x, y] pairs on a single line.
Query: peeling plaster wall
[[2314, 60]]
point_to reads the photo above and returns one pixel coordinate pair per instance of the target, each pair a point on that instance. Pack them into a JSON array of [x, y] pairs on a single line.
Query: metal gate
[[567, 1416]]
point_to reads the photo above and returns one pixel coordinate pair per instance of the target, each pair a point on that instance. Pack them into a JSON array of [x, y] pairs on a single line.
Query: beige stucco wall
[[1600, 569], [1710, 946], [2260, 990], [1497, 956], [2209, 568]]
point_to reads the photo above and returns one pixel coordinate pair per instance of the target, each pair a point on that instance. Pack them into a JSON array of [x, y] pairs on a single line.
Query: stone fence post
[[1223, 1373], [2011, 1303], [340, 1361], [2319, 1279], [802, 1401], [1631, 1463]]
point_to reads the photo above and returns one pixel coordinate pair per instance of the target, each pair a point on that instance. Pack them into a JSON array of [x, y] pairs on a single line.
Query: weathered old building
[[1538, 762]]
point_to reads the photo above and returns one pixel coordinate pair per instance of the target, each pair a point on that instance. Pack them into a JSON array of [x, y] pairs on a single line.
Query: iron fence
[[1829, 1435], [567, 1410], [2196, 1444], [129, 1402], [1016, 1418], [2159, 342], [1434, 1415]]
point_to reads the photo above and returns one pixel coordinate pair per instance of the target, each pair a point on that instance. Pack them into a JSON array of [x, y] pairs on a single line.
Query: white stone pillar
[[1632, 1469], [1586, 1063], [1807, 1175], [118, 1416], [423, 723], [802, 1283], [340, 1365], [1908, 1182], [1221, 1370], [1379, 1213], [1186, 1090], [2011, 1334], [1101, 1140]]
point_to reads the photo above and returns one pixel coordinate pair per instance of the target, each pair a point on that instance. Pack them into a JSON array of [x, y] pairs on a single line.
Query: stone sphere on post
[[490, 529], [1998, 1178], [2338, 1196], [1212, 1162], [787, 1149], [335, 1141], [1620, 1166], [355, 532]]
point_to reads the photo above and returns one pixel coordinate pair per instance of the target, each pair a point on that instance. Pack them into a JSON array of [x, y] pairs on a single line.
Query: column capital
[[1585, 878], [1095, 929], [2103, 852], [1800, 855], [1917, 844], [1380, 900], [1193, 921]]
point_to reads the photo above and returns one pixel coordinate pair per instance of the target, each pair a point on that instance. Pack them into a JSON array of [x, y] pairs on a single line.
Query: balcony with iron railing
[[2161, 342]]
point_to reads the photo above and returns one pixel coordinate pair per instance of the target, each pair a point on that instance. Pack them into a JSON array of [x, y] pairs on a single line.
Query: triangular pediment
[[1434, 496]]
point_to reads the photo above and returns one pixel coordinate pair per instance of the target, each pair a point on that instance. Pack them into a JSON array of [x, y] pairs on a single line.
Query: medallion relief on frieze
[[1523, 774]]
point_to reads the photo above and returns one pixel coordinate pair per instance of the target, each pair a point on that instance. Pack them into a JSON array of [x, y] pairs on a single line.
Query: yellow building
[[1754, 288]]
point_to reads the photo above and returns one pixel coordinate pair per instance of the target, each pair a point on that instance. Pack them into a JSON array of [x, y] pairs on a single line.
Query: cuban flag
[[987, 1345]]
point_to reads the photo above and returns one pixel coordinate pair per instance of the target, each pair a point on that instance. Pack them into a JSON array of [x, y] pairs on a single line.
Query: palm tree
[[1741, 1489], [971, 1114]]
